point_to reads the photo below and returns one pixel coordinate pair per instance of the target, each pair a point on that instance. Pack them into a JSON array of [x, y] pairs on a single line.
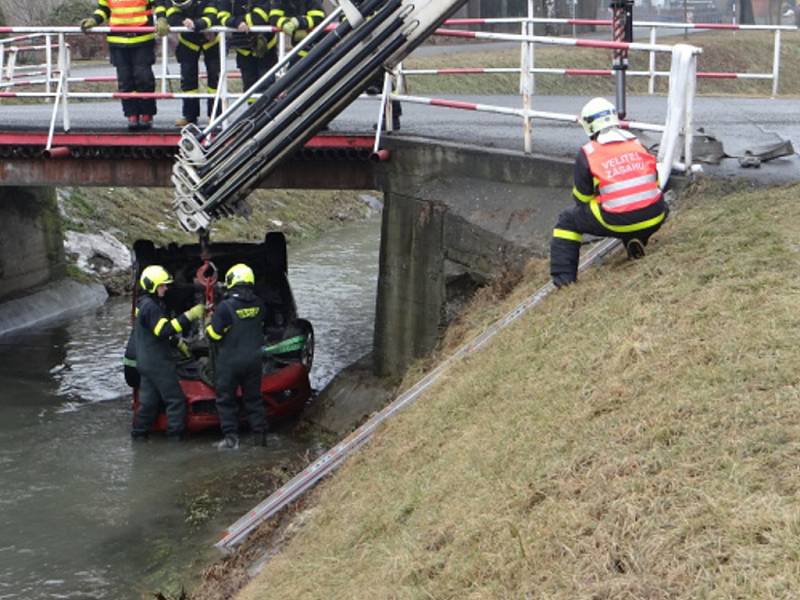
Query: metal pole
[[623, 30], [651, 84], [48, 52], [164, 59], [776, 63]]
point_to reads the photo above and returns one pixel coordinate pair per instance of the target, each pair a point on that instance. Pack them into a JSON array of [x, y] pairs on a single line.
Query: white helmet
[[597, 115]]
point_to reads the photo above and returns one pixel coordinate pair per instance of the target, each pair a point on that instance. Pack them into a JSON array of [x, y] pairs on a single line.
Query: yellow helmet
[[238, 274], [152, 277], [598, 115]]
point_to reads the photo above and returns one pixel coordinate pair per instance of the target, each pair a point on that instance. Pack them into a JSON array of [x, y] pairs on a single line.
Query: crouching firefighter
[[615, 189], [237, 333], [155, 338]]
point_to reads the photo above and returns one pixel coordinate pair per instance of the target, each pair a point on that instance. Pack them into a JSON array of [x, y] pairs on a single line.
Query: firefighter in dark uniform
[[155, 337], [615, 189], [256, 53], [196, 15], [296, 18], [133, 54], [237, 330]]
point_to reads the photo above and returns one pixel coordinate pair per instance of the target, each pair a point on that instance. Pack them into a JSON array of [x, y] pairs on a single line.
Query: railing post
[[400, 78], [776, 63], [2, 60], [688, 133], [164, 59], [651, 84], [526, 88], [48, 54], [65, 73]]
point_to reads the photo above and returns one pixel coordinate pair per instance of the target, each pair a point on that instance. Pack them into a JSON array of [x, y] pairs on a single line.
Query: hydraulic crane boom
[[212, 174]]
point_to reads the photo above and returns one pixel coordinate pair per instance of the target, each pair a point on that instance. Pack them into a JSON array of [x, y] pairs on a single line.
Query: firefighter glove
[[299, 35], [290, 26], [162, 27], [261, 47], [196, 312], [183, 347], [88, 23]]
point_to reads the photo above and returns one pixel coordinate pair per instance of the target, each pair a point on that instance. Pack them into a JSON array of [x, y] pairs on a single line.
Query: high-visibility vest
[[626, 175], [129, 13]]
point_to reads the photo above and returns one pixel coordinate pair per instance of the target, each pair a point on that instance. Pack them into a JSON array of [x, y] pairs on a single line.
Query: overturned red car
[[288, 350]]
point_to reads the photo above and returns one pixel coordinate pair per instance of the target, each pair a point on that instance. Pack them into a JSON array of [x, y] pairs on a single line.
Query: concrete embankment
[[58, 300]]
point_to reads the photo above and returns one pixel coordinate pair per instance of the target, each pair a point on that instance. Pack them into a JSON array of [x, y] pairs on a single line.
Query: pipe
[[57, 152], [380, 156]]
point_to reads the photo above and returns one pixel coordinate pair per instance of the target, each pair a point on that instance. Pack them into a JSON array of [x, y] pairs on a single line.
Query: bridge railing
[[651, 73]]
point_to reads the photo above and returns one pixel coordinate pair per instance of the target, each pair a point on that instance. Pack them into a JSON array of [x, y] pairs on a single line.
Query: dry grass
[[637, 436], [742, 52]]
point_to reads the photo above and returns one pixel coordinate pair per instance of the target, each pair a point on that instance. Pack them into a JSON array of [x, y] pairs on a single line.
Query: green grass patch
[[635, 436], [147, 214]]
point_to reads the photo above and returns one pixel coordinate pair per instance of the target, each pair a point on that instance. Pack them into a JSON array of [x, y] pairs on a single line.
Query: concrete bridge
[[462, 201]]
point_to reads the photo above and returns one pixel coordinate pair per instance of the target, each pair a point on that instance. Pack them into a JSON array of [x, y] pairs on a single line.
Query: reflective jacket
[[238, 328], [203, 14], [232, 13], [308, 12], [155, 335], [126, 13], [625, 174]]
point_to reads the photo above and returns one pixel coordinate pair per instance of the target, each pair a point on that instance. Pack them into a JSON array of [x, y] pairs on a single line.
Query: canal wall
[[455, 217], [31, 243], [32, 267]]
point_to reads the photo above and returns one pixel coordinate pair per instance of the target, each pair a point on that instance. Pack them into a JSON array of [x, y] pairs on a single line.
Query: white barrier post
[[776, 62], [164, 59], [48, 53], [2, 60], [651, 83]]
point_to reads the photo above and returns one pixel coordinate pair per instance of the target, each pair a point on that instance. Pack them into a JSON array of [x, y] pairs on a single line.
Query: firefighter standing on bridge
[[296, 18], [155, 337], [256, 53], [237, 330], [615, 189], [195, 15], [132, 53]]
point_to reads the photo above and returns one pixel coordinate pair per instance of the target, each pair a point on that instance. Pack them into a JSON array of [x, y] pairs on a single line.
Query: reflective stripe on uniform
[[213, 334], [176, 325], [624, 228], [128, 362], [581, 196], [653, 194], [159, 326], [116, 39], [566, 234]]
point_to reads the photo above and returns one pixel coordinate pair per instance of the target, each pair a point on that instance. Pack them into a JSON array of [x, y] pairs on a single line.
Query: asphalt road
[[739, 123]]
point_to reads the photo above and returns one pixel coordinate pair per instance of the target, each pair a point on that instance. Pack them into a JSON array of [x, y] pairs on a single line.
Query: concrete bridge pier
[[31, 242], [454, 218]]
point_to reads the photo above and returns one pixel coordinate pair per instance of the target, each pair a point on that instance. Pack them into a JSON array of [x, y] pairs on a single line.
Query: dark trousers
[[135, 74], [579, 219], [254, 67], [190, 76], [155, 387], [228, 378]]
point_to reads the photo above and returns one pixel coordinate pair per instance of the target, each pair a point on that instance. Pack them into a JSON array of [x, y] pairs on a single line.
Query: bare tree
[[31, 12]]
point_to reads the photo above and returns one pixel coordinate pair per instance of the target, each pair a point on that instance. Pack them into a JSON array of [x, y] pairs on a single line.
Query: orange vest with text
[[626, 175]]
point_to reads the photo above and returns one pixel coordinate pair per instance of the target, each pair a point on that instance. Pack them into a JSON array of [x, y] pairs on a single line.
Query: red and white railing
[[772, 75]]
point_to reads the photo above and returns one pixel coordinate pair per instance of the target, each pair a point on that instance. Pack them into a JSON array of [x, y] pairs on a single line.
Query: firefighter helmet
[[597, 115], [239, 274], [152, 277], [181, 3]]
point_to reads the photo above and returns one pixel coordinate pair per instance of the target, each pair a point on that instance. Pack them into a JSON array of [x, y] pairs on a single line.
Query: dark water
[[86, 514]]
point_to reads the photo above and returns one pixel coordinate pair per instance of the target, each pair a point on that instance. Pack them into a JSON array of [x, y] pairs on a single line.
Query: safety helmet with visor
[[239, 274], [598, 115], [152, 277]]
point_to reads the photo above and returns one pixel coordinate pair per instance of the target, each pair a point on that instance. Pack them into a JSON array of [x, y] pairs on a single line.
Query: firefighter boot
[[133, 122], [635, 248], [229, 442]]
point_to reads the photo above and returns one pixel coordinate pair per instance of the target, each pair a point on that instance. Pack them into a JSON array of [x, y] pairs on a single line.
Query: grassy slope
[[637, 436], [743, 52], [134, 213]]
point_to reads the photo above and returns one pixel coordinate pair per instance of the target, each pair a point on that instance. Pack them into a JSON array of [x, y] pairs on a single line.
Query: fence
[[59, 75]]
